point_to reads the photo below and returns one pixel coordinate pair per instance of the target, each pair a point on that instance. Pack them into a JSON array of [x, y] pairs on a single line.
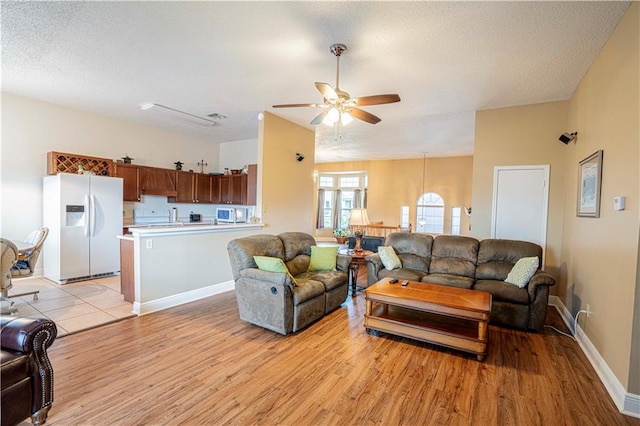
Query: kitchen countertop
[[188, 227]]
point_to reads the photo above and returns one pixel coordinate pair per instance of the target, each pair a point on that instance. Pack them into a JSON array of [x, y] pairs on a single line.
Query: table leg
[[353, 272], [482, 336]]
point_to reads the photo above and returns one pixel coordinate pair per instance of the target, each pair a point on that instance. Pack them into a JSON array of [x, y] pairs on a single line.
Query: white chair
[[8, 260], [25, 266]]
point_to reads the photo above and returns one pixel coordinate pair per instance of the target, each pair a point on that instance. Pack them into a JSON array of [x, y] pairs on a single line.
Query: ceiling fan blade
[[294, 105], [364, 116], [377, 99], [320, 117], [327, 91]]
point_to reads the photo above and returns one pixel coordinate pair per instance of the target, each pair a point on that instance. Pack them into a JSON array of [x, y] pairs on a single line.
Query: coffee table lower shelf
[[456, 333]]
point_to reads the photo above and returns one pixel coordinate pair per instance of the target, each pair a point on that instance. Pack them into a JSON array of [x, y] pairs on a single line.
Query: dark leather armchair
[[26, 375]]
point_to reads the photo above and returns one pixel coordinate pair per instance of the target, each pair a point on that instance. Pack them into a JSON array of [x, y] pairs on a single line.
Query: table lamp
[[358, 218]]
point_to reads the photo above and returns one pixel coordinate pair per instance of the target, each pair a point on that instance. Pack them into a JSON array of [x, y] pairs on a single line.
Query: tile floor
[[73, 307]]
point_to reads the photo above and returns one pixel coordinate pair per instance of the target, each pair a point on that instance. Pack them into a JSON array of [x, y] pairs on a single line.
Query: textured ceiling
[[446, 60]]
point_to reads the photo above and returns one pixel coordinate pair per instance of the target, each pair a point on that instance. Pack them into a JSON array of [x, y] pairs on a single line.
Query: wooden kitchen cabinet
[[157, 181], [237, 189], [192, 188], [130, 175], [127, 272]]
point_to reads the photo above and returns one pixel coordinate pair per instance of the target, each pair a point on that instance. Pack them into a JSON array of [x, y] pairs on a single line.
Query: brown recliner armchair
[[26, 375]]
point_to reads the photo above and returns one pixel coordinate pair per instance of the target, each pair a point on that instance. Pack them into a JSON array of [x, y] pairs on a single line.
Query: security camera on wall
[[565, 138], [299, 156]]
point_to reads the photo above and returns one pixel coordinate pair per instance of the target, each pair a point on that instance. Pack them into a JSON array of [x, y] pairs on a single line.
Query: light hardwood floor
[[200, 364]]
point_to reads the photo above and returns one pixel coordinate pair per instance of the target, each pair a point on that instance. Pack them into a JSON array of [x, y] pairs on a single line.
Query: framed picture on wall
[[589, 184]]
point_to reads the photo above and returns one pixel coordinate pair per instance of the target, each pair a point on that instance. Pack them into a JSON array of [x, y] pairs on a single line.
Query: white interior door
[[520, 201]]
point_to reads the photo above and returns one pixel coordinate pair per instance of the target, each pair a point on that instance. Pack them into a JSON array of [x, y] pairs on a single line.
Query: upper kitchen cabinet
[[130, 175], [157, 181], [192, 188], [238, 189]]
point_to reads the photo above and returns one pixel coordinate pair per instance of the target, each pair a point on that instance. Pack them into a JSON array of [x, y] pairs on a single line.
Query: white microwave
[[231, 215]]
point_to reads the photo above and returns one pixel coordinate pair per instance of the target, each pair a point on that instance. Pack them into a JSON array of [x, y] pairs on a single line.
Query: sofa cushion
[[242, 250], [298, 264], [401, 274], [330, 279], [296, 243], [323, 258], [307, 289], [522, 271], [503, 291], [417, 244], [389, 258], [450, 280], [454, 255], [496, 257], [273, 264]]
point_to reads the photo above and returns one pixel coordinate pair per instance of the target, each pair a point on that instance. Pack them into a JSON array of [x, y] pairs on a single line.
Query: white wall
[[237, 154]]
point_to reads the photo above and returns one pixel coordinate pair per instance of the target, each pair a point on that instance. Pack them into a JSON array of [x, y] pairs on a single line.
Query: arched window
[[430, 213]]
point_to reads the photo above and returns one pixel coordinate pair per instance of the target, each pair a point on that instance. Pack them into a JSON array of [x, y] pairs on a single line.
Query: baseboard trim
[[181, 298], [627, 403]]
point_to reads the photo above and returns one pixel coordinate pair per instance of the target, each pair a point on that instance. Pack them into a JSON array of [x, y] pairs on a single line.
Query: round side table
[[357, 260]]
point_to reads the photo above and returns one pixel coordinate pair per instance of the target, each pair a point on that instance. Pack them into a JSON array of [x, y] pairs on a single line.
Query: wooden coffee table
[[448, 316]]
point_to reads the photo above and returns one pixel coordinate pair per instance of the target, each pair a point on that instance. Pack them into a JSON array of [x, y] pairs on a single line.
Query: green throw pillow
[[522, 271], [389, 257], [323, 258], [273, 264]]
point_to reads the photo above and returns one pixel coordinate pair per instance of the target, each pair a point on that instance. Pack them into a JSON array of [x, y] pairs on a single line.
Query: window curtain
[[320, 210], [337, 206], [364, 199], [357, 198]]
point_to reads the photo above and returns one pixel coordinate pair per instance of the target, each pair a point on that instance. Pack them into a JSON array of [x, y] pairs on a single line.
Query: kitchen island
[[165, 266]]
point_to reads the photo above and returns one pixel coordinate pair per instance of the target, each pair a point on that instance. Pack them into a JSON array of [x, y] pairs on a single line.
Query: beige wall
[[394, 183], [525, 135], [600, 256], [286, 185], [595, 261]]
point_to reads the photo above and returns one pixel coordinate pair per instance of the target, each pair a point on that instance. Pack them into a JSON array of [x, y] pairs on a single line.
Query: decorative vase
[[358, 247], [341, 240]]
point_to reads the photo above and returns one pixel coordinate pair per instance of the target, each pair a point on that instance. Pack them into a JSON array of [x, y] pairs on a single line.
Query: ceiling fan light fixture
[[332, 117], [345, 118]]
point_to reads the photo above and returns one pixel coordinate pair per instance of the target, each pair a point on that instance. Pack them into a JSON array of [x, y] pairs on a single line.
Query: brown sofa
[[25, 371], [269, 299], [465, 262]]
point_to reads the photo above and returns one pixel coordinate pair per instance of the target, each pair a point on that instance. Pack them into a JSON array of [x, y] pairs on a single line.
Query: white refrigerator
[[84, 217]]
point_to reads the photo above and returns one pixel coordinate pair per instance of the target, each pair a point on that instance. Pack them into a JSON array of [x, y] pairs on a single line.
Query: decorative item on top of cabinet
[[178, 165], [59, 162], [130, 175]]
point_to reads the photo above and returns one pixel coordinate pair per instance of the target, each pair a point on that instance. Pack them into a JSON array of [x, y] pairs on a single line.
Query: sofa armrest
[[26, 335], [374, 265], [343, 262], [539, 279], [266, 276], [32, 337]]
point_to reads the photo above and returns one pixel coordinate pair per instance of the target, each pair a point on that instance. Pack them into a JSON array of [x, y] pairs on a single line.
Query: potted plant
[[341, 235]]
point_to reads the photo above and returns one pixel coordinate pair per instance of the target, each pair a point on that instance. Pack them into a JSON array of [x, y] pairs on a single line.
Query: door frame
[[545, 207]]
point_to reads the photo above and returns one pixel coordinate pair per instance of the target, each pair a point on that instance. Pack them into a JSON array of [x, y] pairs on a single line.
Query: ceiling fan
[[338, 105]]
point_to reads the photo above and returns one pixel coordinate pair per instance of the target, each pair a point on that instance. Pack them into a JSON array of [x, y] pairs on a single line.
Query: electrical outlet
[[149, 244], [588, 310]]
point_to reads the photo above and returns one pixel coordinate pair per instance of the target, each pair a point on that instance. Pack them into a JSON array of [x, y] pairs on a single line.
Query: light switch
[[619, 203]]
